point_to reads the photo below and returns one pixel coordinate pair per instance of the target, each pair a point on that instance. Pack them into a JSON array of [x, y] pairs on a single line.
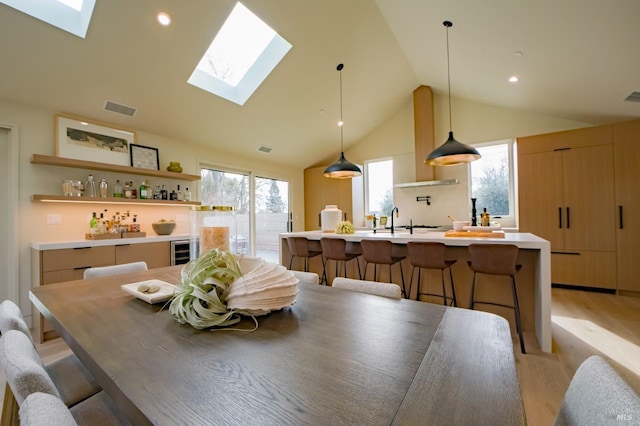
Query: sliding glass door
[[261, 207]]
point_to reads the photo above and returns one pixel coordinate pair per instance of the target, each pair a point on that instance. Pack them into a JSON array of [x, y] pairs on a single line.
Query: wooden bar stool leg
[[444, 289]]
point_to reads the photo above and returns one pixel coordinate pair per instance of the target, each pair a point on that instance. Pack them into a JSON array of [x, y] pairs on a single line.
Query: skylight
[[72, 16], [241, 56]]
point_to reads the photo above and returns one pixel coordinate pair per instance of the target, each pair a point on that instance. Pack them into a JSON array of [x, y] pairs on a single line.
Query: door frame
[[13, 271]]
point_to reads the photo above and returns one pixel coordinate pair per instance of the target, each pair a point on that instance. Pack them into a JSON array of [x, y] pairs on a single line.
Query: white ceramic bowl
[[458, 225]]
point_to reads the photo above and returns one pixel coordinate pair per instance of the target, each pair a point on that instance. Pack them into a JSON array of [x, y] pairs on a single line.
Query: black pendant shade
[[451, 152], [342, 168]]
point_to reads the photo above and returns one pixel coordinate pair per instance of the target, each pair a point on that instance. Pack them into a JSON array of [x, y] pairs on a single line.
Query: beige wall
[[36, 136], [472, 123]]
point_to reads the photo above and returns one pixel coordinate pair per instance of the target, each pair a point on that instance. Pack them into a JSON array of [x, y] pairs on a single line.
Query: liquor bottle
[[104, 188], [93, 223], [164, 195], [127, 190], [187, 194], [484, 218], [90, 187], [179, 194], [143, 190], [173, 195], [134, 190], [117, 189]]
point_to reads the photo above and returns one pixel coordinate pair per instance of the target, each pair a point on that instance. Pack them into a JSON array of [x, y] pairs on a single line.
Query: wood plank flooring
[[583, 323]]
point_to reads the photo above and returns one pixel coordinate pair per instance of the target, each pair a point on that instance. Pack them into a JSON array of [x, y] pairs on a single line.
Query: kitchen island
[[533, 280]]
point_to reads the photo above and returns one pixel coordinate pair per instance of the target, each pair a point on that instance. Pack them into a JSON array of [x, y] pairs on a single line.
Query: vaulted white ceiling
[[579, 61]]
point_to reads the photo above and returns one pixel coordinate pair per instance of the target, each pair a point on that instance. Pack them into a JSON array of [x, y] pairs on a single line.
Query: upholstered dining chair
[[306, 277], [124, 268], [71, 377], [43, 409], [392, 291], [25, 375], [597, 395]]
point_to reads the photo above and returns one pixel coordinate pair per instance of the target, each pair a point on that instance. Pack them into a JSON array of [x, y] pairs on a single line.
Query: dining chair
[[70, 376], [598, 395], [43, 409], [496, 259], [431, 255], [299, 247], [390, 290], [25, 375], [104, 271], [380, 252], [306, 277]]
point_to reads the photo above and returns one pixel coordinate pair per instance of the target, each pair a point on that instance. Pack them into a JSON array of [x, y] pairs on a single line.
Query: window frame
[[510, 220]]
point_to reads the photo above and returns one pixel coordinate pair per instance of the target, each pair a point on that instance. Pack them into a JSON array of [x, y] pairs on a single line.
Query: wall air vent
[[633, 97], [265, 149], [120, 109]]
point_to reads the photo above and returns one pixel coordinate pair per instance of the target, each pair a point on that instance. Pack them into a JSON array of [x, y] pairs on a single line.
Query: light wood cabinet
[[59, 265], [626, 140], [566, 187], [320, 191]]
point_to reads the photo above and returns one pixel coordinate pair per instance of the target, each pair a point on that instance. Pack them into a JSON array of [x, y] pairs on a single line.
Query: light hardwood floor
[[584, 323]]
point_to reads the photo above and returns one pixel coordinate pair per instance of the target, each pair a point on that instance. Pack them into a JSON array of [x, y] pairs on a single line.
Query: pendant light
[[342, 168], [451, 152]]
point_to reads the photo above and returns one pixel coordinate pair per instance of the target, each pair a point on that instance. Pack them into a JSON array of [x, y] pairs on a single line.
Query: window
[[241, 56], [261, 208], [492, 180], [73, 16], [379, 187]]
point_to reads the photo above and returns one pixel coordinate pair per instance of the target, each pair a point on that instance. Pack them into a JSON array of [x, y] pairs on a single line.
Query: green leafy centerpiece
[[217, 288]]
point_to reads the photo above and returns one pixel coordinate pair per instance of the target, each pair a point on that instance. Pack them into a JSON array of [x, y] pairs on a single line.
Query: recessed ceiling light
[[518, 53], [513, 79], [164, 19]]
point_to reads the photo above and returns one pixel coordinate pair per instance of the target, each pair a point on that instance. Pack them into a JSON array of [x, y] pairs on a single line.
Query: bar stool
[[496, 259], [336, 249], [378, 252], [428, 255], [299, 247]]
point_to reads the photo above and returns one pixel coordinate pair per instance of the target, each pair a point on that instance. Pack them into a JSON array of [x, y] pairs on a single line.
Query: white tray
[[165, 293]]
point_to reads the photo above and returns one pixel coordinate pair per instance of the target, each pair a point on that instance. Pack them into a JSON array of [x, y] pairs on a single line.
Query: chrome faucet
[[395, 209]]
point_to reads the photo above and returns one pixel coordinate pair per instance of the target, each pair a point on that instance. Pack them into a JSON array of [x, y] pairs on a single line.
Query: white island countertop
[[540, 247]]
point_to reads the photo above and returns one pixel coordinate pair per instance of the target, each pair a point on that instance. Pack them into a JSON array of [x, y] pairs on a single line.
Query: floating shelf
[[111, 200], [103, 167]]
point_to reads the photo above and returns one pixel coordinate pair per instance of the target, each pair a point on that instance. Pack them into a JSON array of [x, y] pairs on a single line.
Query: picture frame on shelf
[[144, 157], [83, 139]]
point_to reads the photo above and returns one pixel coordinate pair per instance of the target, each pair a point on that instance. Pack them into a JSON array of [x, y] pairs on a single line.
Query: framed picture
[[91, 141], [144, 157]]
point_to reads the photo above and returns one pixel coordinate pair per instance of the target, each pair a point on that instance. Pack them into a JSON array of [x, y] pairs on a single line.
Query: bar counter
[[533, 280]]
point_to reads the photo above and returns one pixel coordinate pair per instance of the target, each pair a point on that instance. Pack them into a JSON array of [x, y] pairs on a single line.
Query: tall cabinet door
[[320, 191], [589, 212], [540, 196], [626, 137]]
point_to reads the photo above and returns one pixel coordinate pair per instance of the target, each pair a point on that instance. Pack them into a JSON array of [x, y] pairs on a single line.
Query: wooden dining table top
[[334, 358]]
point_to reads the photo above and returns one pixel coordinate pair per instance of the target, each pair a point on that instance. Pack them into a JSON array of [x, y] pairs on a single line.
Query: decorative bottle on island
[[485, 218], [474, 219]]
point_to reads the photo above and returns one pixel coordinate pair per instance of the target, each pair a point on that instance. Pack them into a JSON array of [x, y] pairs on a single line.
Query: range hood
[[424, 140]]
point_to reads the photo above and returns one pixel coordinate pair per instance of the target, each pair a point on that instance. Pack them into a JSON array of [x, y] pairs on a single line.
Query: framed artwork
[[144, 157], [91, 141]]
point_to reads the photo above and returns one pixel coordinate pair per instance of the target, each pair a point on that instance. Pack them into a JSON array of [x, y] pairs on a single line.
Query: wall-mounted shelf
[[110, 200], [427, 183], [103, 167]]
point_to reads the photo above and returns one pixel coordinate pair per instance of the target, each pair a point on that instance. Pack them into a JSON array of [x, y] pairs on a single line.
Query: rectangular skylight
[[72, 16], [241, 56]]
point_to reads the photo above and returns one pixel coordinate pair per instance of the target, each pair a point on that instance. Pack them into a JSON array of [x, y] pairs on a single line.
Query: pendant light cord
[[340, 66], [448, 24]]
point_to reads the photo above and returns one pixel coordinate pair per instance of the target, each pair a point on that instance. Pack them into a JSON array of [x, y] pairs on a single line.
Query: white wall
[[472, 123], [36, 136]]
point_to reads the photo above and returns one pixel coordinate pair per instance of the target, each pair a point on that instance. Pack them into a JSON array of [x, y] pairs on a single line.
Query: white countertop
[[52, 245], [523, 240]]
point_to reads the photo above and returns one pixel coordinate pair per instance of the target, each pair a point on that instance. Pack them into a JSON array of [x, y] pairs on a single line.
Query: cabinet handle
[[81, 267], [560, 217], [81, 248], [122, 245], [568, 219], [620, 215], [320, 220], [567, 253], [345, 216]]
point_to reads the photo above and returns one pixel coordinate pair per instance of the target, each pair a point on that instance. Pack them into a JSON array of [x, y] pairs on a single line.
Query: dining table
[[335, 357]]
